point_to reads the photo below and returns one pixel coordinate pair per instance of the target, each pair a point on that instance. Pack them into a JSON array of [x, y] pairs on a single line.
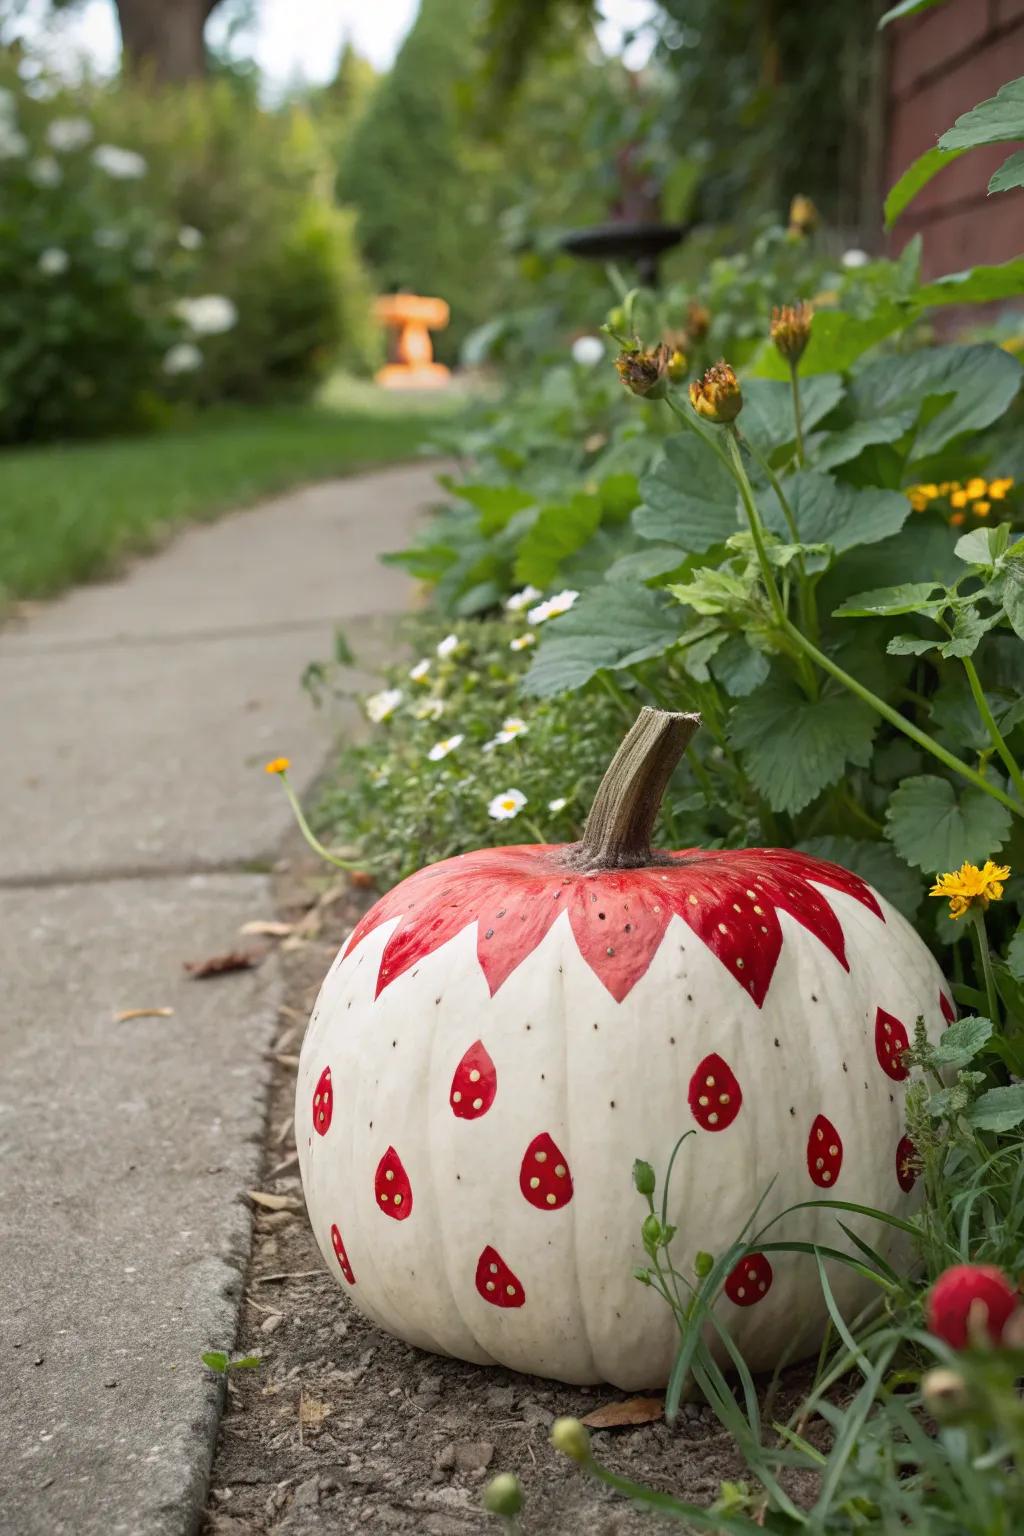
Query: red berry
[[957, 1291]]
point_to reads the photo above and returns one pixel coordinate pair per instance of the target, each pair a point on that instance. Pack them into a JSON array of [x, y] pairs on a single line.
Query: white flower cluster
[[211, 314], [66, 134], [119, 164], [183, 357], [53, 262]]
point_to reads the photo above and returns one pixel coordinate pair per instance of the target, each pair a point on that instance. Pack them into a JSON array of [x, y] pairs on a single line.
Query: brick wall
[[940, 64]]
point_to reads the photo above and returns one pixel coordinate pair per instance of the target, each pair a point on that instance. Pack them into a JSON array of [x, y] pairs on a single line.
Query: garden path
[[134, 721]]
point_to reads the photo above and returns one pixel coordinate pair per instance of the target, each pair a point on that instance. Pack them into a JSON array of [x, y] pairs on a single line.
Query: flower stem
[[797, 413], [894, 718], [808, 608], [308, 833], [985, 956], [998, 739]]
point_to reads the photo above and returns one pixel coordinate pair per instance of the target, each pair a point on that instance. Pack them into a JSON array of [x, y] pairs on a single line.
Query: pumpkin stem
[[618, 830]]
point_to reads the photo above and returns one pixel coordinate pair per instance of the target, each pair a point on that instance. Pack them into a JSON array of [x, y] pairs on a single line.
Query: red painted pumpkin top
[[730, 898]]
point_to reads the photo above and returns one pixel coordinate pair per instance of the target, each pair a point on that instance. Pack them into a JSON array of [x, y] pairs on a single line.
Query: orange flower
[[278, 765]]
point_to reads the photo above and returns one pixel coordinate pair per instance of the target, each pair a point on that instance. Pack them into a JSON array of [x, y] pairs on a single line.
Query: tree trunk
[[163, 39]]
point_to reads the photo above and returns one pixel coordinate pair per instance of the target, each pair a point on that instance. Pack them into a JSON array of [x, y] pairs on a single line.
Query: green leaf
[[976, 285], [831, 512], [557, 532], [908, 597], [838, 339], [1000, 1109], [877, 863], [794, 747], [1009, 175], [994, 121], [767, 418], [970, 626], [610, 626], [935, 826], [644, 564], [974, 548], [689, 498], [1013, 595], [1015, 955], [246, 1363], [495, 503], [917, 175], [839, 447], [907, 8], [910, 645], [739, 668], [217, 1360], [981, 379], [961, 1042]]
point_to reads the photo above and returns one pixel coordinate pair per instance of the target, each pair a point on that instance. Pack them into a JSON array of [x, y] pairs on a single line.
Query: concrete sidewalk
[[134, 721]]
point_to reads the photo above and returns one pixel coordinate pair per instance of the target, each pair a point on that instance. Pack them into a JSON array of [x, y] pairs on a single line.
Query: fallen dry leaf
[[272, 930], [635, 1410], [312, 1412], [222, 965], [274, 1202], [362, 880], [142, 1013], [286, 1060]]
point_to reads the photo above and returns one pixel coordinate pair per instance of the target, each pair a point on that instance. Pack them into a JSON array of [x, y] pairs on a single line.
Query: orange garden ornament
[[412, 318]]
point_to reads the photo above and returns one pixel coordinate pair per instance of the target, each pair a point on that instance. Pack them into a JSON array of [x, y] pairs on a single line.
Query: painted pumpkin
[[505, 1032]]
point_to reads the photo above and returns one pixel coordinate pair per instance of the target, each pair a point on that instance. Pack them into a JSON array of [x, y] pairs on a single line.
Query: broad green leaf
[[1015, 955], [970, 626], [1009, 175], [246, 1363], [1000, 1109], [976, 285], [937, 827], [907, 8], [716, 590], [831, 512], [917, 175], [696, 654], [961, 1042], [217, 1360], [995, 121], [908, 597], [767, 417], [910, 645], [739, 668], [877, 863], [611, 626], [643, 564], [831, 448], [795, 747], [689, 498], [495, 503], [1013, 595], [982, 380], [838, 339], [974, 548], [557, 532]]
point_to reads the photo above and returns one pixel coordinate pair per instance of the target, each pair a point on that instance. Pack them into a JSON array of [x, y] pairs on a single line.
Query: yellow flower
[[717, 396], [958, 499], [790, 330], [997, 489], [982, 508], [803, 216], [278, 765], [975, 488], [970, 886]]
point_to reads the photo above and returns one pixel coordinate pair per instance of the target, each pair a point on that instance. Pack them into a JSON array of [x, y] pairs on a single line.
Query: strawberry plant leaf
[[829, 449], [1009, 175], [828, 511], [738, 667], [935, 827], [910, 645], [767, 418], [495, 503], [976, 285], [981, 380], [559, 531], [838, 339], [1000, 1109], [907, 597], [917, 176], [689, 498], [995, 121], [1013, 595], [616, 625], [795, 747], [961, 1041]]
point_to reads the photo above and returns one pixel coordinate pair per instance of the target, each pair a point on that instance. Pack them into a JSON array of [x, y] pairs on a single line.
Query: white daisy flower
[[190, 238], [523, 642], [211, 314], [855, 258], [441, 749], [588, 351], [378, 777], [185, 357], [560, 603], [506, 806], [120, 164], [53, 262], [69, 133], [448, 646], [510, 729], [429, 709], [381, 706], [45, 172], [418, 674], [520, 600], [558, 805]]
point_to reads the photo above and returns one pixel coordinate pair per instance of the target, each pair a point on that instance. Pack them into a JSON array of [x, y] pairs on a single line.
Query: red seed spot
[[907, 1168], [323, 1102], [544, 1177], [891, 1040], [392, 1188], [824, 1153], [342, 1256], [750, 1281], [948, 1009], [474, 1085], [715, 1096], [495, 1281]]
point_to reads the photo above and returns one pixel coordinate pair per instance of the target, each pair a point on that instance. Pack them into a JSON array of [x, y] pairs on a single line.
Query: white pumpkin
[[505, 1032]]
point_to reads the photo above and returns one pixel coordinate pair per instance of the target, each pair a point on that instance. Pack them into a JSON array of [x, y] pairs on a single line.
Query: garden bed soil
[[343, 1429]]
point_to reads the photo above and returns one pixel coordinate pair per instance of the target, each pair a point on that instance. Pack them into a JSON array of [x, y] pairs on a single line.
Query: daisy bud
[[504, 1495], [645, 371], [717, 396], [803, 216], [643, 1177], [570, 1437], [791, 330], [945, 1395], [703, 1264]]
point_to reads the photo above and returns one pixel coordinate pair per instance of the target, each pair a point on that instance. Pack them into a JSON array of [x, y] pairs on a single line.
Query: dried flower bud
[[645, 371], [803, 216], [717, 396], [791, 330], [504, 1495], [945, 1395], [698, 320], [570, 1437]]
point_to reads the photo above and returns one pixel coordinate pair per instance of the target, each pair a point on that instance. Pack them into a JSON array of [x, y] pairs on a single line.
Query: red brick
[[937, 42], [989, 232], [1006, 11]]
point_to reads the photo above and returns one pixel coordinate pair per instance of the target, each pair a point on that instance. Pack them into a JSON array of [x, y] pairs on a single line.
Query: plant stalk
[[985, 956], [988, 719], [798, 421], [310, 836]]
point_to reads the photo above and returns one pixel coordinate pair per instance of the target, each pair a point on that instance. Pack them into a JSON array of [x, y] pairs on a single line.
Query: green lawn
[[69, 512]]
